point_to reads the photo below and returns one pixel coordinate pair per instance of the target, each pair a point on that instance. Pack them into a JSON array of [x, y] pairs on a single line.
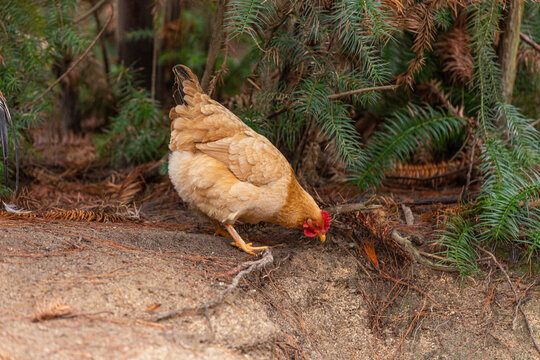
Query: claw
[[248, 248], [239, 243]]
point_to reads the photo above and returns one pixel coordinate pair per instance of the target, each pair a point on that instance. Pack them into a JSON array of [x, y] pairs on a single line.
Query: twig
[[347, 208], [529, 41], [409, 218], [435, 200], [267, 258], [518, 301], [469, 172], [363, 90], [89, 12], [411, 250], [76, 62]]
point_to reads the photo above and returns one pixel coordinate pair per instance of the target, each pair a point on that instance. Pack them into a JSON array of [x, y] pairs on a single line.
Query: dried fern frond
[[56, 308], [530, 57], [434, 174], [420, 22], [70, 215], [454, 51]]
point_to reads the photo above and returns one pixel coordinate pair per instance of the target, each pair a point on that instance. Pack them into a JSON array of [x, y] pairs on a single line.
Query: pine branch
[[530, 41], [74, 63], [360, 91]]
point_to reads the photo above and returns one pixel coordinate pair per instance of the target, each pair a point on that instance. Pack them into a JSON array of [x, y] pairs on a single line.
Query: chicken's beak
[[322, 236]]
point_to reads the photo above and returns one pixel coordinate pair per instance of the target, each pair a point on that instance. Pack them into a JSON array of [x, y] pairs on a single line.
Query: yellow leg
[[219, 229], [241, 244]]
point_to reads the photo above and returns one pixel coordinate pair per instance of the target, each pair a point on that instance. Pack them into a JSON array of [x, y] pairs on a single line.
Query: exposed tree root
[[415, 254], [248, 267]]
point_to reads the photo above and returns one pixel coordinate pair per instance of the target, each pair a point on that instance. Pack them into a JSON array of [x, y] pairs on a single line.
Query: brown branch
[[76, 62], [436, 200], [411, 250], [529, 41], [89, 12], [363, 90], [516, 296], [251, 266], [347, 208]]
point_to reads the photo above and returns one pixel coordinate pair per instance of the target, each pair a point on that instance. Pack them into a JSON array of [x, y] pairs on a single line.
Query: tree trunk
[[136, 15], [70, 111], [215, 44], [509, 46], [172, 11]]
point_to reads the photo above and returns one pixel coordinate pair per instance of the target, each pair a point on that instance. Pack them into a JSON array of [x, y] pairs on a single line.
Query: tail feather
[[187, 85]]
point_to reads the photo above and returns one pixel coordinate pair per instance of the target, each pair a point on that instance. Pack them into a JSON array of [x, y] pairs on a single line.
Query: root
[[248, 267]]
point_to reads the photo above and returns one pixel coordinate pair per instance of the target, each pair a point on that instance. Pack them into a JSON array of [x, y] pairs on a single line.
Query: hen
[[229, 173]]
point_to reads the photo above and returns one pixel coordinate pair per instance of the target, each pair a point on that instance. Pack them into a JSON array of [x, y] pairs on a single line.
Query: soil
[[315, 301]]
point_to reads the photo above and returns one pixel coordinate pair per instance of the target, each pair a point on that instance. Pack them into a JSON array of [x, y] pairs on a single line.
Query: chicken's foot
[[241, 244], [219, 229]]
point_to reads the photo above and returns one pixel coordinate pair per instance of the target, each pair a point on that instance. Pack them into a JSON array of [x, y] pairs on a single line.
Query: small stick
[[347, 208], [267, 258], [363, 90], [409, 218], [89, 12], [529, 41]]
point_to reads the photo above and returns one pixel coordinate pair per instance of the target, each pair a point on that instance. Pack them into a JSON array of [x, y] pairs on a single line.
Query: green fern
[[332, 116], [399, 138], [458, 238], [248, 16], [138, 132]]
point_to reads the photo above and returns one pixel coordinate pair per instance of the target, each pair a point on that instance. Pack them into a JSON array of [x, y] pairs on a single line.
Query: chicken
[[229, 173]]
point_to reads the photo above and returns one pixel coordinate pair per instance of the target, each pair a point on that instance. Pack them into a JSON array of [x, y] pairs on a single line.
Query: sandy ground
[[310, 303]]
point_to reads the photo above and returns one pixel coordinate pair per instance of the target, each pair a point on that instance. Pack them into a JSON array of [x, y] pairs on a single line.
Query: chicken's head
[[312, 227]]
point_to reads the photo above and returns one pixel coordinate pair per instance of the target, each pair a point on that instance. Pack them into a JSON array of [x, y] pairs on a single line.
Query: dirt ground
[[313, 302]]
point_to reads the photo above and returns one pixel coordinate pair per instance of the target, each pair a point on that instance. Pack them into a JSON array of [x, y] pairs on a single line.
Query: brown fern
[[420, 22], [433, 174], [54, 309], [530, 57], [455, 54], [71, 215], [418, 18]]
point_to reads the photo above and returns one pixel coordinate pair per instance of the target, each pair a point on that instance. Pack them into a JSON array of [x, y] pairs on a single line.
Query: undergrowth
[[307, 51]]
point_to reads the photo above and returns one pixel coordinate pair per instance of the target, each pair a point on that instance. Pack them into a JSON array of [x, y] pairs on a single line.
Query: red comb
[[326, 219]]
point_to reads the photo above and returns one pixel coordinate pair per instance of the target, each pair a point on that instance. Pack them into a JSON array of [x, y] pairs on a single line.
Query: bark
[[508, 48], [135, 15], [70, 111], [172, 11], [215, 44]]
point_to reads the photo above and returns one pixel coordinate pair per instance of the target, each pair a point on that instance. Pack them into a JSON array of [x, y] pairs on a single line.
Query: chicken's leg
[[219, 229], [240, 243]]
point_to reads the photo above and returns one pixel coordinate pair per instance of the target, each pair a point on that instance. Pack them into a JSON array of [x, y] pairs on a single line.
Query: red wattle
[[326, 219]]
